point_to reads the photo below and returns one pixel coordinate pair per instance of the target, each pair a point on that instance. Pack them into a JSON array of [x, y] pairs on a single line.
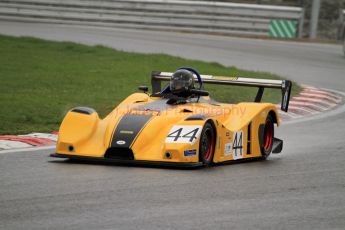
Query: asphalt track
[[302, 188]]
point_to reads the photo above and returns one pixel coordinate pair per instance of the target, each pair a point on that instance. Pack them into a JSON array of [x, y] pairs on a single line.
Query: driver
[[181, 83]]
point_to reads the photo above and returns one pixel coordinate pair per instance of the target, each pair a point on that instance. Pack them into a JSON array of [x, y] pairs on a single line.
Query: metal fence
[[190, 16]]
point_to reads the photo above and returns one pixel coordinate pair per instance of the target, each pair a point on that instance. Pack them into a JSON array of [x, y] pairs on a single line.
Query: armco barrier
[[191, 16]]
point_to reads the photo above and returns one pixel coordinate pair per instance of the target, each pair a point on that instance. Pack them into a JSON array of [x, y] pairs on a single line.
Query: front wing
[[129, 162]]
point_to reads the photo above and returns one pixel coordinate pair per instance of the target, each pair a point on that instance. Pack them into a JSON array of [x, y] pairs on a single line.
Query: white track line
[[296, 103], [8, 144], [52, 137], [313, 99], [303, 109], [321, 103], [322, 97], [310, 88], [50, 147], [290, 114], [320, 92]]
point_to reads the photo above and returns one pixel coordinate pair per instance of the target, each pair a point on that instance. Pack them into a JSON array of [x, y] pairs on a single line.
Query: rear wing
[[284, 85]]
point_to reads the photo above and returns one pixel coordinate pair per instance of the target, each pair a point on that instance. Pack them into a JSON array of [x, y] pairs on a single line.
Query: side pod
[[78, 125]]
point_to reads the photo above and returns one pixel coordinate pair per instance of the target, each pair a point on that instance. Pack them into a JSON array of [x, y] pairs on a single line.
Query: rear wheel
[[207, 144], [268, 133]]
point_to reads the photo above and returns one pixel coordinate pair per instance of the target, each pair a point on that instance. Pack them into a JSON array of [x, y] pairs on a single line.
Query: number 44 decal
[[184, 134], [237, 145]]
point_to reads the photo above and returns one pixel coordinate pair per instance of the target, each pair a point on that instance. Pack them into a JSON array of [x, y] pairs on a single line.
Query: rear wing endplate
[[285, 85]]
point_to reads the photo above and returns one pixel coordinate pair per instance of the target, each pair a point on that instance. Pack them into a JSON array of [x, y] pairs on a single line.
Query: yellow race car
[[177, 125]]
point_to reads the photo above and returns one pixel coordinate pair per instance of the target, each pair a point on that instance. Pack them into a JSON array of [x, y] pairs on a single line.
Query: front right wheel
[[207, 144]]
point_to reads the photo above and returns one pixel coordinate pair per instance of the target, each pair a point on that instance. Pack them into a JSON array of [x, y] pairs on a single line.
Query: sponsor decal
[[237, 145], [190, 153], [126, 132], [188, 134], [227, 149], [120, 142]]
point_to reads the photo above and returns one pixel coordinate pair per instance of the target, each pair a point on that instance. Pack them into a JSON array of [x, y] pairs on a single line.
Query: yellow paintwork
[[92, 136]]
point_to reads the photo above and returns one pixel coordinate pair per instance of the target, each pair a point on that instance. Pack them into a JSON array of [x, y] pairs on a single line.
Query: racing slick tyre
[[268, 136], [207, 144]]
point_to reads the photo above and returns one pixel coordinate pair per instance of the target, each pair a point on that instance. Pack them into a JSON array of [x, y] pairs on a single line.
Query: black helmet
[[181, 82]]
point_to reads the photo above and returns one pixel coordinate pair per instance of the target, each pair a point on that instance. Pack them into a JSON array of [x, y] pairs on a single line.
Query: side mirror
[[143, 88]]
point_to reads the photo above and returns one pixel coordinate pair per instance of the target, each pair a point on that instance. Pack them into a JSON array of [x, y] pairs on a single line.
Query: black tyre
[[207, 144], [268, 136]]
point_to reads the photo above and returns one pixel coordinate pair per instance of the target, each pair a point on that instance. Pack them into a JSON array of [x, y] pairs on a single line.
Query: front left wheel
[[207, 144]]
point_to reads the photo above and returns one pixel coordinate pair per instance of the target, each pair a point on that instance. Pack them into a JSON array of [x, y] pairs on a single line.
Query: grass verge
[[41, 80]]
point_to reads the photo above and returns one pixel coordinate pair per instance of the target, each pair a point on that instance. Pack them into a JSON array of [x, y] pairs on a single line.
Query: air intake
[[119, 154]]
